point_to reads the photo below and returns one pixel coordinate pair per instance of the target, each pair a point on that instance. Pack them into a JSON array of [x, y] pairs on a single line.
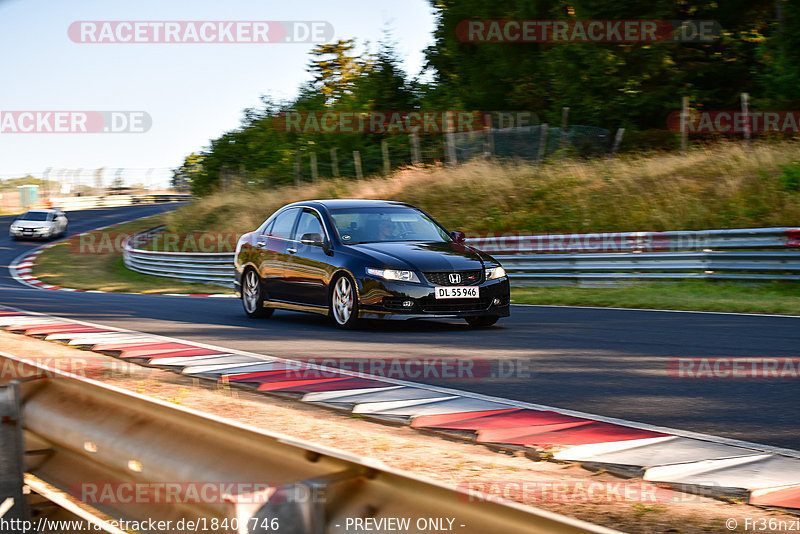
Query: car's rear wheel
[[481, 321], [343, 303], [253, 296]]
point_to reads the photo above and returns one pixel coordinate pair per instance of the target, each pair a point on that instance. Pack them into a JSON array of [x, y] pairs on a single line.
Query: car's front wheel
[[481, 321], [253, 296], [343, 303]]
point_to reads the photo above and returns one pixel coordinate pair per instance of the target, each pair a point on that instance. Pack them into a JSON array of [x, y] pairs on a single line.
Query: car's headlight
[[393, 274], [16, 228], [495, 272]]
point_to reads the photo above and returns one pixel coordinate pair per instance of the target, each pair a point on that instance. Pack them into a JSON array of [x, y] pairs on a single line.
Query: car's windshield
[[384, 225], [34, 216]]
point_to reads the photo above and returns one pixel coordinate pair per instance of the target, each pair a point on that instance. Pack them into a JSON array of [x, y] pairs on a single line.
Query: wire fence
[[531, 143]]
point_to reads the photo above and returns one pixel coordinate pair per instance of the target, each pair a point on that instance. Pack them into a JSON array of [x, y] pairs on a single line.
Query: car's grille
[[465, 278], [454, 306]]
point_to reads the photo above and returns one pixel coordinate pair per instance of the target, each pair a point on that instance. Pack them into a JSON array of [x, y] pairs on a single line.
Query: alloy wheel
[[250, 292], [343, 299]]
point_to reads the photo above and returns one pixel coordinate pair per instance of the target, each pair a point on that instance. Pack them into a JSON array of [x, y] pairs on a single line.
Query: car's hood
[[422, 256], [32, 224]]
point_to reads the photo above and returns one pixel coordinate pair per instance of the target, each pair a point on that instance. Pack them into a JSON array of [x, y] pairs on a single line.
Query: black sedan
[[366, 259]]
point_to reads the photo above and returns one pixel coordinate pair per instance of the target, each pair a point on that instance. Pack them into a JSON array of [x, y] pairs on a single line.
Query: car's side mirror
[[459, 237], [314, 240]]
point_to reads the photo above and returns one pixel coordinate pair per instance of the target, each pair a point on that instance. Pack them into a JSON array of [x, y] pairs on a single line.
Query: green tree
[[184, 177], [335, 69]]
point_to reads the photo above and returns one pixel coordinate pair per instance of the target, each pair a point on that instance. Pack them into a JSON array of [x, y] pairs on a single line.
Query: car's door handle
[[291, 250], [261, 243]]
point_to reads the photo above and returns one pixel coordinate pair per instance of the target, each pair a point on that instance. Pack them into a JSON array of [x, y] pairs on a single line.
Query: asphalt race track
[[607, 362]]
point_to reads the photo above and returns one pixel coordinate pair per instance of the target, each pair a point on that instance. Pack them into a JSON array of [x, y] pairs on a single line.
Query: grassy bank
[[721, 186], [71, 265], [724, 186], [768, 297]]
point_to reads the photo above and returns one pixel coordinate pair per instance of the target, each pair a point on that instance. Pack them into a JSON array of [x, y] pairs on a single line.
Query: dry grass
[[779, 297], [69, 265], [721, 186]]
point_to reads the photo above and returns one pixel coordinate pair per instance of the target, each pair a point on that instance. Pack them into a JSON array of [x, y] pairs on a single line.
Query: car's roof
[[340, 203], [43, 210]]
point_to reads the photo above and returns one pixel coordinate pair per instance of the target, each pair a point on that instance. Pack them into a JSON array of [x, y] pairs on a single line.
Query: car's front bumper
[[382, 299], [33, 233]]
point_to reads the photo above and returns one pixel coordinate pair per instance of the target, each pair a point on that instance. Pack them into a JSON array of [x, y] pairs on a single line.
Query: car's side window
[[284, 223], [309, 223]]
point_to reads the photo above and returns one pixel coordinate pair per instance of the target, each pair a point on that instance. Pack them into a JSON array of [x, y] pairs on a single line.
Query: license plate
[[457, 292]]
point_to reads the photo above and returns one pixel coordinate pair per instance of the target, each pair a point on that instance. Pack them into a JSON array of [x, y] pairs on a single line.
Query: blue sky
[[193, 92]]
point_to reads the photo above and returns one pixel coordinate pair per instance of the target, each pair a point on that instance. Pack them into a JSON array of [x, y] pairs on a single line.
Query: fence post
[[334, 163], [225, 178], [118, 182], [746, 114], [314, 173], [544, 129], [684, 130], [298, 163], [98, 182], [357, 162], [617, 141], [387, 167], [488, 149], [414, 142], [564, 127], [450, 138]]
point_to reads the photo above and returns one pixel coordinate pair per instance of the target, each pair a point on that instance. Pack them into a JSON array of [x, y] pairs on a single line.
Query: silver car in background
[[39, 224]]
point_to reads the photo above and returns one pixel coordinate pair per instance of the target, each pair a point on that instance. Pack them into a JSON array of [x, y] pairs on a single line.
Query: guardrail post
[[298, 508], [13, 503]]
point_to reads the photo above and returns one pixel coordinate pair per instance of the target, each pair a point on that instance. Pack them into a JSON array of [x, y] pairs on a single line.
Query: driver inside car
[[387, 230]]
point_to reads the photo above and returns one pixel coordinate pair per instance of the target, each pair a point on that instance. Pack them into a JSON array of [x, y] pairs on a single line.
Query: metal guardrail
[[577, 269], [205, 267], [629, 261], [741, 238], [216, 268], [110, 201], [80, 434]]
